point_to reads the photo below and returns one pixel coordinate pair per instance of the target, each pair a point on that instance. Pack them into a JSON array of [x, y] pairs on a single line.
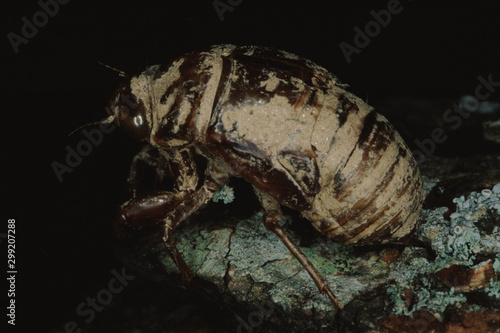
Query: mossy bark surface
[[443, 281]]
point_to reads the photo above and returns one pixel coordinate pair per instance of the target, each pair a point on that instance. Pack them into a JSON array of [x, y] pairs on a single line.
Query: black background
[[64, 244]]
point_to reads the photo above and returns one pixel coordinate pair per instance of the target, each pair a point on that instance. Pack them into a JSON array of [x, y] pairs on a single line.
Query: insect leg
[[152, 208], [145, 211], [271, 219], [186, 272], [214, 180]]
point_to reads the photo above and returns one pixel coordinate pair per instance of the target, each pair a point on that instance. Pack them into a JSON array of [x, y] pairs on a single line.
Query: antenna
[[103, 121], [120, 72]]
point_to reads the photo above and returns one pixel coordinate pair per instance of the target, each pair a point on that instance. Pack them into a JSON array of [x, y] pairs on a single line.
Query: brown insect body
[[284, 124]]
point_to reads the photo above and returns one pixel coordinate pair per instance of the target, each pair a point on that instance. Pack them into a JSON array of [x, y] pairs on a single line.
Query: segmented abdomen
[[372, 191]]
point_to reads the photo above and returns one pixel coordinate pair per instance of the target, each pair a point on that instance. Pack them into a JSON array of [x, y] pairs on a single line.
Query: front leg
[[215, 178], [145, 211], [171, 208], [150, 210]]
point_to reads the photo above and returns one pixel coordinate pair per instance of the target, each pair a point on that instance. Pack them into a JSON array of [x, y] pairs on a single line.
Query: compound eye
[[138, 121], [133, 122]]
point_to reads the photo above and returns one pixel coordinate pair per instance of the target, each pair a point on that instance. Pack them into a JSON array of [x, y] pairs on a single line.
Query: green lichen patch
[[426, 298], [462, 239], [226, 194], [470, 238], [493, 290], [496, 263], [337, 260]]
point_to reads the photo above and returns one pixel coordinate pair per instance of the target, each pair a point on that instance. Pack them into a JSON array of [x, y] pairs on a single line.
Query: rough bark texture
[[446, 284]]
